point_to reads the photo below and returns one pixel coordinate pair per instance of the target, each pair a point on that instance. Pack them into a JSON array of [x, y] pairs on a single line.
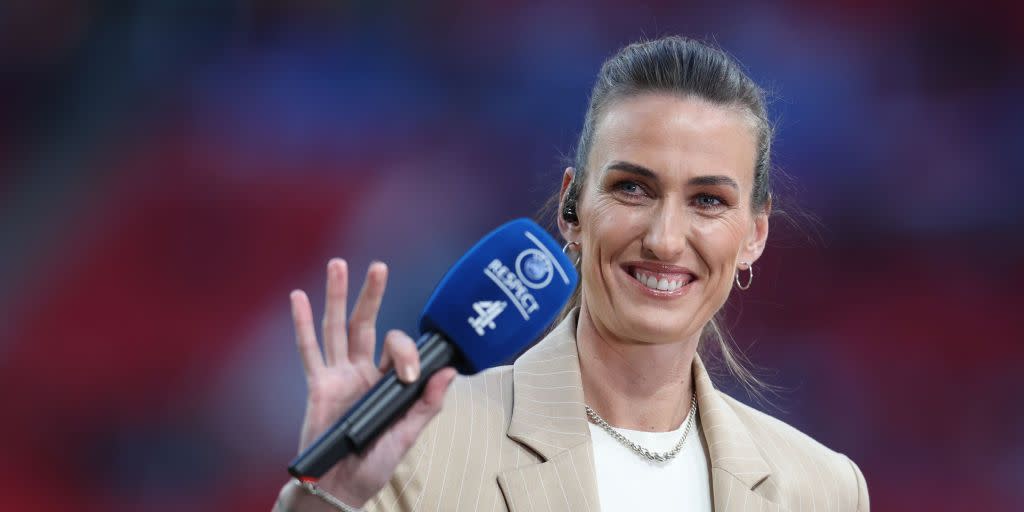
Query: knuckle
[[362, 330], [394, 351], [411, 354], [402, 346], [395, 338], [359, 316]]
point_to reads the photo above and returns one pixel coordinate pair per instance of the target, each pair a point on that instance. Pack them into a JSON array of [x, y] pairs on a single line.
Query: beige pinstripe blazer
[[516, 438]]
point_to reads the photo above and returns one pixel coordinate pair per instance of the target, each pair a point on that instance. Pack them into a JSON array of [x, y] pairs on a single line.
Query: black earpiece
[[569, 211], [569, 203]]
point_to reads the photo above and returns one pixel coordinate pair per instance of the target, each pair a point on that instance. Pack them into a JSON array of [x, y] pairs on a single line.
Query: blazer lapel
[[732, 495], [564, 482], [547, 418], [737, 467]]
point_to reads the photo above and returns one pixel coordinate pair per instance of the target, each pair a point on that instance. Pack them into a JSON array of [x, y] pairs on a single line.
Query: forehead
[[677, 135]]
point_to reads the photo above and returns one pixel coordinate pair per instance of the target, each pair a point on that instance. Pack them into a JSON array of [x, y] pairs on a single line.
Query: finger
[[305, 334], [424, 410], [334, 333], [362, 329], [400, 352]]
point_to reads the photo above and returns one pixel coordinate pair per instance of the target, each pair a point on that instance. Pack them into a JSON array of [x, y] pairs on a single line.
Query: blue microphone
[[493, 303]]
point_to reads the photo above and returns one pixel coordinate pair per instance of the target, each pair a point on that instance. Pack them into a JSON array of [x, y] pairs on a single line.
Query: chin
[[655, 327]]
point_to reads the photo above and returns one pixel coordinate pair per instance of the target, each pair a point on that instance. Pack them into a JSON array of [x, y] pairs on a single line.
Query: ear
[[756, 239], [570, 231]]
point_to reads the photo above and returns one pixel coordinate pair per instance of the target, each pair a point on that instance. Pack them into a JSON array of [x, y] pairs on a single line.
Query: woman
[[667, 207]]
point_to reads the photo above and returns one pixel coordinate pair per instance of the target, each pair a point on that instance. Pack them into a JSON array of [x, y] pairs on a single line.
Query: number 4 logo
[[487, 311]]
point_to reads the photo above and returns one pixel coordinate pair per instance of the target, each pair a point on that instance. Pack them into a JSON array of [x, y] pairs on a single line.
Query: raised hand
[[340, 374]]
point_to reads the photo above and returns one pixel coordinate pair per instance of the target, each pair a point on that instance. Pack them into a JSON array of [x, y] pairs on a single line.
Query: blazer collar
[[730, 446], [547, 410], [548, 418]]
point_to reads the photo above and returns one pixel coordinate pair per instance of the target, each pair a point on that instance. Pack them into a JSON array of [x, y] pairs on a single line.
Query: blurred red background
[[170, 170]]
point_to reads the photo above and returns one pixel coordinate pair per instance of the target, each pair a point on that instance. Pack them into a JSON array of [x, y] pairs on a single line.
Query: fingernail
[[410, 373]]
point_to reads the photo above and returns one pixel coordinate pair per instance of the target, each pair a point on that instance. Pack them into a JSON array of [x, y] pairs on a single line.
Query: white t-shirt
[[628, 481]]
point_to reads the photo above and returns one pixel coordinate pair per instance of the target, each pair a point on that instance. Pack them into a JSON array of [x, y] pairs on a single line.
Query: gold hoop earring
[[569, 251], [750, 278]]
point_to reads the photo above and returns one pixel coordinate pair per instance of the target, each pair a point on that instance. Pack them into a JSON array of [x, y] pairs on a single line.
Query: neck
[[633, 384]]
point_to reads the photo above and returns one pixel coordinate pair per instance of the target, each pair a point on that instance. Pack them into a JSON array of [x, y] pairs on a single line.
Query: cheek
[[611, 226], [718, 241]]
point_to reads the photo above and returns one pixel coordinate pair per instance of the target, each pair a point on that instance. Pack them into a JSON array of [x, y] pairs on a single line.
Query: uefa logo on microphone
[[534, 268]]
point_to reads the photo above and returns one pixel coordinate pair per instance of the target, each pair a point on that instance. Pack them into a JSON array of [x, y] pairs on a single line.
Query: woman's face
[[665, 216]]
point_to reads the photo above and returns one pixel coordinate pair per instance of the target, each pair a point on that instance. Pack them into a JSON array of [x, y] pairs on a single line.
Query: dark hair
[[687, 68]]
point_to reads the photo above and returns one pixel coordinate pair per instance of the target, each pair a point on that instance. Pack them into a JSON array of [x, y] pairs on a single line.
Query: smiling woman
[[668, 201], [685, 69]]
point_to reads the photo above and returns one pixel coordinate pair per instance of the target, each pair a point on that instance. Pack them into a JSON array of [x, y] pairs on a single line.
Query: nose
[[665, 238]]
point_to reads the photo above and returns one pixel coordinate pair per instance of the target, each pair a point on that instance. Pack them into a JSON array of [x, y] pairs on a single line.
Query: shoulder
[[778, 440], [802, 469]]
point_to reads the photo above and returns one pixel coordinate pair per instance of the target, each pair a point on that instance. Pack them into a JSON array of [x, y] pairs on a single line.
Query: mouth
[[660, 280]]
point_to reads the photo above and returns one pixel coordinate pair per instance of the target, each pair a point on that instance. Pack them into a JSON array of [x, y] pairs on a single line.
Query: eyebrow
[[631, 168], [711, 180]]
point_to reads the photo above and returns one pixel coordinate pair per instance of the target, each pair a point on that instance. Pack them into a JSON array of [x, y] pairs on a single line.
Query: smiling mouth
[[661, 281]]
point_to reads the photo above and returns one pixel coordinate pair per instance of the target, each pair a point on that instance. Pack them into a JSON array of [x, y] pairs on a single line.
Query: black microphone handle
[[384, 403]]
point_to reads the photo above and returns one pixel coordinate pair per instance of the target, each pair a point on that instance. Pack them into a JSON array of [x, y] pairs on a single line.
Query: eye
[[630, 188], [708, 201]]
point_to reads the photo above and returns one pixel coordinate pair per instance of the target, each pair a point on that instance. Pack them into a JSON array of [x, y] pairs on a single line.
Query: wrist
[[297, 496], [293, 498]]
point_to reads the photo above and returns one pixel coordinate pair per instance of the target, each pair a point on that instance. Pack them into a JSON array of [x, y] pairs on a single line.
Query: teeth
[[652, 282]]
